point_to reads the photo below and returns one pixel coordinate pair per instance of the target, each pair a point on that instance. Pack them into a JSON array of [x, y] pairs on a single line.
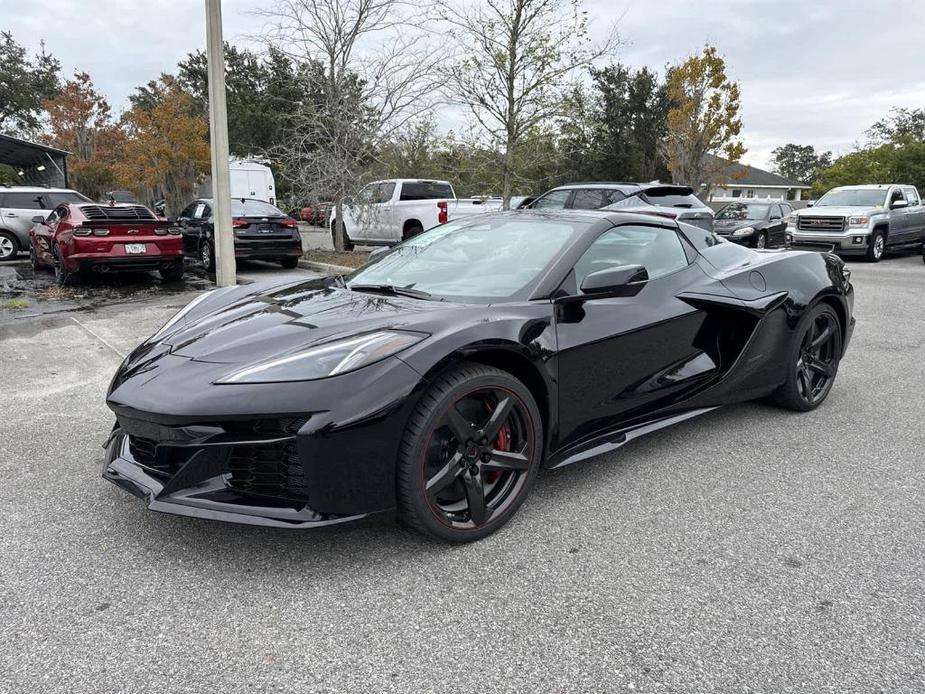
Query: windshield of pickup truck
[[426, 190], [870, 197], [487, 260]]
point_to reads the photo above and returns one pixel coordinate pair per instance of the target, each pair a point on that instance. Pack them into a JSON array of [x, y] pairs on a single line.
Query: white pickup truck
[[387, 212]]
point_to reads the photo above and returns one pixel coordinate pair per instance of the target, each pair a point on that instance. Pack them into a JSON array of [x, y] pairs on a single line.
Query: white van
[[250, 179]]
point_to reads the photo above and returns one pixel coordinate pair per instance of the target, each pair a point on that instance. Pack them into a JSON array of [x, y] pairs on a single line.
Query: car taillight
[[289, 224], [176, 231], [101, 232], [82, 232], [161, 231], [240, 223], [442, 215]]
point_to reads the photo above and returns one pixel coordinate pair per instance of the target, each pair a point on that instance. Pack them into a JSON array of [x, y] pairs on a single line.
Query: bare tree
[[366, 72], [516, 60]]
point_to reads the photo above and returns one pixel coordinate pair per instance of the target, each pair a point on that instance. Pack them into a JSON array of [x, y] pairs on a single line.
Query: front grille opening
[[164, 461], [268, 470]]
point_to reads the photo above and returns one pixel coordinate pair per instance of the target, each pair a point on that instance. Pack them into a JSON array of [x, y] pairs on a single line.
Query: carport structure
[[37, 165]]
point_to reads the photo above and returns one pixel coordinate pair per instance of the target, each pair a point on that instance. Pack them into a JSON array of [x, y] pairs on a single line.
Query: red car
[[86, 238]]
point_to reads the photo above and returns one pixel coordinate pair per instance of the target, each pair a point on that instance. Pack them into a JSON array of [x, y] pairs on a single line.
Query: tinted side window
[[188, 212], [55, 199], [588, 199], [23, 201], [554, 200], [658, 250], [686, 201], [423, 190]]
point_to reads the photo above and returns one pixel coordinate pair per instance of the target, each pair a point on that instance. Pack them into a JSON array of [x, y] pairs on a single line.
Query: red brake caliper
[[502, 443]]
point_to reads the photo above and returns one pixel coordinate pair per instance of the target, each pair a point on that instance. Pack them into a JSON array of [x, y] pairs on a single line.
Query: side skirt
[[614, 440]]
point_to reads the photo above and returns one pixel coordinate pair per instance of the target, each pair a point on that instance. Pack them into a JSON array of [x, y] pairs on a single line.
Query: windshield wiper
[[391, 289]]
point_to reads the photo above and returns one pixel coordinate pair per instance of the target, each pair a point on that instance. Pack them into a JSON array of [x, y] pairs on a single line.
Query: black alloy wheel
[[815, 354], [469, 455], [207, 256], [412, 231], [62, 276], [33, 258], [290, 262]]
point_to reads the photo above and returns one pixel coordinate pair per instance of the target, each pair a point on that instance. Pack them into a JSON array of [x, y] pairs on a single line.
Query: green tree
[[799, 162], [901, 124], [872, 165], [24, 85], [703, 119]]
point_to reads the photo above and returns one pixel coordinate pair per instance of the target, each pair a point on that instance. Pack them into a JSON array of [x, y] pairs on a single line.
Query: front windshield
[[744, 210], [254, 208], [863, 197], [491, 259]]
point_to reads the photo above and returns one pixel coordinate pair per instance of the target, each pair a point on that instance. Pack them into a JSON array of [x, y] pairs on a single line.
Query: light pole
[[223, 238]]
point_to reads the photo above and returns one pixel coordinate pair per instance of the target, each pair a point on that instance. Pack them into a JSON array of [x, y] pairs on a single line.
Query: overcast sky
[[816, 73]]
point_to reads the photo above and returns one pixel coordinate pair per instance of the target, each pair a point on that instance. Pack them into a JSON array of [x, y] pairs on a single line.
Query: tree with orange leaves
[[167, 151], [80, 121]]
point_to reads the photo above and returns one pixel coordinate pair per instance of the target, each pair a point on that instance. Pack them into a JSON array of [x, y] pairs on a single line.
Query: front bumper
[[205, 481], [847, 242]]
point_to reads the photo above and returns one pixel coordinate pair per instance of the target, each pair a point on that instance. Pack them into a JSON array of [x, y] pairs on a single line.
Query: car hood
[[726, 224], [839, 211], [273, 320]]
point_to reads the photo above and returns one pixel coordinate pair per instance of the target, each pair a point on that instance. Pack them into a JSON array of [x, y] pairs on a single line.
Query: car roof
[[873, 186], [36, 189]]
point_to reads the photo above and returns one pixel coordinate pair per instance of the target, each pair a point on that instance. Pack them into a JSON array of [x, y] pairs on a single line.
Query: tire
[[459, 491], [876, 247], [289, 263], [63, 277], [811, 370], [761, 241], [34, 259], [174, 273], [9, 246], [207, 256], [348, 244], [412, 231]]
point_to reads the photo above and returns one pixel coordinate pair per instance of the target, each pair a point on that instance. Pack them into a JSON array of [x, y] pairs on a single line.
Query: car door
[[384, 221], [191, 228], [18, 209], [776, 225], [622, 357], [899, 218], [42, 235], [915, 221], [358, 214]]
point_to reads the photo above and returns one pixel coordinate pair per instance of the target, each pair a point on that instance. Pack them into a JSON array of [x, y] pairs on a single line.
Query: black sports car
[[436, 380]]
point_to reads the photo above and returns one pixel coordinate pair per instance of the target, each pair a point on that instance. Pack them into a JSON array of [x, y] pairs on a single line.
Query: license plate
[[135, 248], [264, 228]]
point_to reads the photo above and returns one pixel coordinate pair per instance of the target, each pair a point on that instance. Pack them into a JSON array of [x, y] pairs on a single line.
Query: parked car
[[121, 196], [83, 239], [19, 205], [759, 224], [261, 232], [662, 200], [861, 220], [316, 213], [439, 379], [387, 212]]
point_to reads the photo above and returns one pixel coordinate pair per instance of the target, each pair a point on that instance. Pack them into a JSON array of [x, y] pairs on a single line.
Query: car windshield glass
[[869, 197], [743, 210], [671, 200], [254, 208], [489, 260], [425, 190]]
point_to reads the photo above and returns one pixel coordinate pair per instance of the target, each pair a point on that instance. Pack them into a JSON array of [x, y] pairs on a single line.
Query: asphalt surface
[[749, 550]]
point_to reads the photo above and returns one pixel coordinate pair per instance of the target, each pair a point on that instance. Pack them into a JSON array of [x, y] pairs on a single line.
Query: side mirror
[[38, 219], [810, 204], [775, 218], [623, 280], [898, 204]]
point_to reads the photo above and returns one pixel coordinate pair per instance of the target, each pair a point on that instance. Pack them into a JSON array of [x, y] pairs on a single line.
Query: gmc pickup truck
[[388, 212], [862, 220]]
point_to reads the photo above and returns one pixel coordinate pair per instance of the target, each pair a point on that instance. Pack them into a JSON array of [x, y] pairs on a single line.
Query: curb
[[325, 267]]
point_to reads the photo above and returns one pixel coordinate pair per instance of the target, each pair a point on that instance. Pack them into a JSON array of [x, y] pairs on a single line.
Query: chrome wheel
[[817, 360], [879, 246], [205, 255], [7, 247], [478, 457], [761, 242]]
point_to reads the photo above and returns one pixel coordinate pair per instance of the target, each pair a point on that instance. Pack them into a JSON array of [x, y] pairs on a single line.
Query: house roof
[[743, 175]]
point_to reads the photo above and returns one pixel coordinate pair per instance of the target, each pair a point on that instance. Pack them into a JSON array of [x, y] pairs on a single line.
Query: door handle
[[11, 214]]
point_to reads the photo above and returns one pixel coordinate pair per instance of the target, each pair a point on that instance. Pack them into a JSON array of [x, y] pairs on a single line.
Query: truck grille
[[823, 224]]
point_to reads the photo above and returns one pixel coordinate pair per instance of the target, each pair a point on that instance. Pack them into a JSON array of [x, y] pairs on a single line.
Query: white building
[[738, 181]]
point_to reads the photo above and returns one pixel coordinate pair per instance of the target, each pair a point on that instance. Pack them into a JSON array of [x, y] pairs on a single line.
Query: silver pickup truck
[[863, 220]]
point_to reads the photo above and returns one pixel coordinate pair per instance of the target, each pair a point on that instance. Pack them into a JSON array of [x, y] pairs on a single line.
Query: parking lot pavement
[[747, 550]]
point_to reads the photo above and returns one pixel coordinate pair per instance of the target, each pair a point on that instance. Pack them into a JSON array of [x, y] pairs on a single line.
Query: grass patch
[[17, 304], [347, 258]]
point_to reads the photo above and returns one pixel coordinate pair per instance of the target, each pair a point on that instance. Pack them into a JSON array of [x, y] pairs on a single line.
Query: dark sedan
[[755, 224], [436, 380], [261, 232]]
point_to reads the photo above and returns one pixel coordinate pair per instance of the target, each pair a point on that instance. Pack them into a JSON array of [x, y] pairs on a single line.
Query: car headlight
[[182, 312], [858, 221], [744, 231], [327, 359]]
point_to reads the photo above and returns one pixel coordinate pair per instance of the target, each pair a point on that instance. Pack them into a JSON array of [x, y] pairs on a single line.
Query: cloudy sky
[[815, 73]]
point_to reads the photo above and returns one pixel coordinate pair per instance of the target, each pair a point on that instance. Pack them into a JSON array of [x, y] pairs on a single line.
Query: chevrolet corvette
[[435, 382]]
